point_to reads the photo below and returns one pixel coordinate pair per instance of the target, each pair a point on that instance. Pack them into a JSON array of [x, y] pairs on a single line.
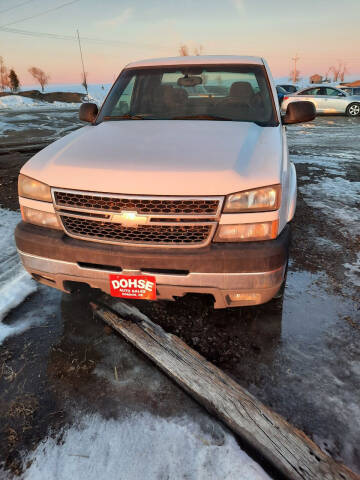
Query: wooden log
[[288, 450]]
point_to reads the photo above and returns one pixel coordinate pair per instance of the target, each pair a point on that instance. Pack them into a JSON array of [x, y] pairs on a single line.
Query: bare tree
[[40, 76], [4, 75], [335, 72], [184, 51], [339, 71], [198, 50], [344, 70], [327, 76]]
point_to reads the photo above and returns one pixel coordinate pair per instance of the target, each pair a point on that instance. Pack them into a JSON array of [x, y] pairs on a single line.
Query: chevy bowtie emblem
[[129, 219]]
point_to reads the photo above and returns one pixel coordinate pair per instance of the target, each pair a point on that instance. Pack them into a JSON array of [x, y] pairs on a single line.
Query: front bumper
[[254, 269]]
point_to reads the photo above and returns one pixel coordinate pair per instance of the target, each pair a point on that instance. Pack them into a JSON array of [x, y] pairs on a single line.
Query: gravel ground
[[301, 356]]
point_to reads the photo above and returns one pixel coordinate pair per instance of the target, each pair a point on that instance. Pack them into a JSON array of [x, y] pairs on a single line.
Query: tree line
[[335, 73], [10, 80]]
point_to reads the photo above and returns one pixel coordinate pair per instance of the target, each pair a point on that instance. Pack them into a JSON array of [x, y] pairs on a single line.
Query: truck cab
[[179, 184]]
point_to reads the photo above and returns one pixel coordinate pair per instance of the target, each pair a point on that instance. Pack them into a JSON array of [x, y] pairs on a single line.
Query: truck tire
[[353, 110], [277, 301]]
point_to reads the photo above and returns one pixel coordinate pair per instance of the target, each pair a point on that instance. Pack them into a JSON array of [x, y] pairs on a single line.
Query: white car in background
[[168, 190], [327, 100]]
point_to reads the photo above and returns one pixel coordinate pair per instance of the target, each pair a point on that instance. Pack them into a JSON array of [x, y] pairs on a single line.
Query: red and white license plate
[[141, 287]]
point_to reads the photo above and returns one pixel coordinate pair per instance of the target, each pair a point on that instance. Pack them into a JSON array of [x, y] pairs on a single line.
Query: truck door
[[313, 95], [334, 100]]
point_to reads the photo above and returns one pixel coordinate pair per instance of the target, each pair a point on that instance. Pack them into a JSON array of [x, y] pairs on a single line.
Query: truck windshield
[[232, 92]]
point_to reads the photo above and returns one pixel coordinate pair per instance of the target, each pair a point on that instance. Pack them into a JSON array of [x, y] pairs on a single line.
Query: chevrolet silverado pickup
[[179, 184]]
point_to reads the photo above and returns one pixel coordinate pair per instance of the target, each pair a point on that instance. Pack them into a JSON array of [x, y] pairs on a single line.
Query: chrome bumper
[[260, 286]]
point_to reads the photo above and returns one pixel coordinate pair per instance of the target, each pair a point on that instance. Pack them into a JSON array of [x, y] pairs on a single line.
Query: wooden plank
[[284, 447]]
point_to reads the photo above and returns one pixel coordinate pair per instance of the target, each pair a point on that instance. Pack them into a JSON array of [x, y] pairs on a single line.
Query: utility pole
[[82, 62], [295, 72]]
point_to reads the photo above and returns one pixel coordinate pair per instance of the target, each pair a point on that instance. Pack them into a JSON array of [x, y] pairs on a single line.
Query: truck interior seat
[[240, 100], [168, 99]]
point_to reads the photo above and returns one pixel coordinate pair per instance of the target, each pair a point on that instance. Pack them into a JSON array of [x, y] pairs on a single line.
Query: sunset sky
[[116, 32]]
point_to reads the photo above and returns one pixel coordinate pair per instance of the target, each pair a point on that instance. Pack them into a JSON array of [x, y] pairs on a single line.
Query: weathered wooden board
[[283, 446]]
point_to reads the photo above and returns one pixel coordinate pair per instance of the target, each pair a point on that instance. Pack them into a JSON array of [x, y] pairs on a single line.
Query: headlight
[[257, 200], [30, 188], [247, 232], [38, 217]]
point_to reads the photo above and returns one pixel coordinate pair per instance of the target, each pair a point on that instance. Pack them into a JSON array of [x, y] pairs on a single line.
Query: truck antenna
[[84, 82]]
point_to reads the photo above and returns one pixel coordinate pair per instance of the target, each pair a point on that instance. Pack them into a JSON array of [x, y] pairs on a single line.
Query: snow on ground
[[140, 446], [17, 102], [353, 271], [15, 283], [337, 198], [97, 91], [97, 94]]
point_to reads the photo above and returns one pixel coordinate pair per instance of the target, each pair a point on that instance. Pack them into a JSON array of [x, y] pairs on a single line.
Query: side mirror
[[88, 112], [298, 112]]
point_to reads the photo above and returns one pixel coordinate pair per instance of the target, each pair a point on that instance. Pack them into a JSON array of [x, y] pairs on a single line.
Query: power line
[[41, 13], [16, 6], [55, 36], [28, 33]]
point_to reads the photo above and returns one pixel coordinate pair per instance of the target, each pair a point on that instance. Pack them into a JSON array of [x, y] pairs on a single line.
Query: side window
[[312, 91], [332, 92], [122, 106]]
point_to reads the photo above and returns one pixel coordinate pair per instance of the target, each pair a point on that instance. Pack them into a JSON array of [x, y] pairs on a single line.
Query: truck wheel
[[353, 110]]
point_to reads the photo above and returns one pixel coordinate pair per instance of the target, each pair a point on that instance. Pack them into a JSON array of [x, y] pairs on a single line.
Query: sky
[[116, 32]]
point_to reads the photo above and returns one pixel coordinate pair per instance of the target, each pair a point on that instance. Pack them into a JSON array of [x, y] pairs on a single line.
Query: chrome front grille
[[147, 206], [149, 234], [164, 221]]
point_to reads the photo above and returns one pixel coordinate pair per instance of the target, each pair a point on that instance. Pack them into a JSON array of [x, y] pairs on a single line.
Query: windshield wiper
[[202, 117], [125, 117], [215, 117]]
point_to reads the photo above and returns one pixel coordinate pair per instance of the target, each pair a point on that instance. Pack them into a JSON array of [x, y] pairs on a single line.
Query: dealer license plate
[[141, 287]]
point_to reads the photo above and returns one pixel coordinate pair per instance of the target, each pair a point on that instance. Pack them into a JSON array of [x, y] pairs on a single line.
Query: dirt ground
[[299, 356]]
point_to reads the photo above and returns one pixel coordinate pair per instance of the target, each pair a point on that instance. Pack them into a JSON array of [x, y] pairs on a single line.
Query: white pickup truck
[[180, 184]]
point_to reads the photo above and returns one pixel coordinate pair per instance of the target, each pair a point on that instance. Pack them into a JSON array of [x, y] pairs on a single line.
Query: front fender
[[292, 192]]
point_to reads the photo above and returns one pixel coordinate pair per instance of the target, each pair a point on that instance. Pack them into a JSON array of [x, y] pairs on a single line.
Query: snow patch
[[96, 93], [141, 446], [353, 271], [17, 102], [337, 198], [15, 283]]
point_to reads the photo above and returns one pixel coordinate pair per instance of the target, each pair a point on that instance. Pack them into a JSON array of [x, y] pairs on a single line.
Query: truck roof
[[197, 60]]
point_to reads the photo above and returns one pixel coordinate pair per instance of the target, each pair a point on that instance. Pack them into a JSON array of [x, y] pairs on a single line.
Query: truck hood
[[160, 157]]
